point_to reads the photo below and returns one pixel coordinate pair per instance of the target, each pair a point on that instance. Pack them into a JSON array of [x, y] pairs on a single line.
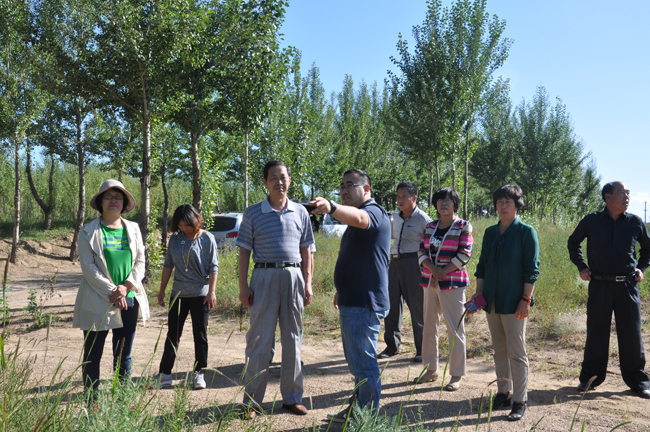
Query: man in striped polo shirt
[[279, 234]]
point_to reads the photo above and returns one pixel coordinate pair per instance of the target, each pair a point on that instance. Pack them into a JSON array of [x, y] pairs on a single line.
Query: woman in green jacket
[[505, 275]]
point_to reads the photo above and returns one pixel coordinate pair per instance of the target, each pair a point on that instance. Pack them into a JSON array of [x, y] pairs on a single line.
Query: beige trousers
[[450, 304], [510, 357]]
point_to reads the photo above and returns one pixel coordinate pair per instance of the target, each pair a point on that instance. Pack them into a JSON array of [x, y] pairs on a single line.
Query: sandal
[[427, 377]]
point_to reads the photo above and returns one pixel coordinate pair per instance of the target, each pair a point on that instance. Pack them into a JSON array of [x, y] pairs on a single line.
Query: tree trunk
[[16, 238], [165, 215], [50, 189], [466, 182], [145, 191], [430, 186], [81, 209], [246, 168], [437, 165], [196, 170], [119, 175], [47, 210], [453, 170]]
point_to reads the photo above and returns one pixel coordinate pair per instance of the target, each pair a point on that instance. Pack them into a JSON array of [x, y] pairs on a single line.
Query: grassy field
[[560, 303]]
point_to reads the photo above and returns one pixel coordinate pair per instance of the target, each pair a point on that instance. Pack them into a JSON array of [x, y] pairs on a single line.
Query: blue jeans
[[360, 331], [122, 344]]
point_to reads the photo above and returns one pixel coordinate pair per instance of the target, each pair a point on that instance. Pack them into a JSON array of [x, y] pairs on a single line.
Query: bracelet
[[526, 299]]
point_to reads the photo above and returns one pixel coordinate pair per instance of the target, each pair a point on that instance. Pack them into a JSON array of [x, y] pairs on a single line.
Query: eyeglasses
[[347, 187], [111, 197], [445, 201]]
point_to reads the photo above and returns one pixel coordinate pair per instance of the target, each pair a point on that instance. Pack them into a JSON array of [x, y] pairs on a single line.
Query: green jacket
[[506, 263]]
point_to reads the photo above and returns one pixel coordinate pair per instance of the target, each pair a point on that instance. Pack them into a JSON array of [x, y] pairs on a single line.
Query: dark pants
[[199, 312], [404, 285], [122, 344], [623, 299]]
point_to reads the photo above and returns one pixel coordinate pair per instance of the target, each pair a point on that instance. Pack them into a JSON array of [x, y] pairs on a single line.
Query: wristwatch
[[332, 206]]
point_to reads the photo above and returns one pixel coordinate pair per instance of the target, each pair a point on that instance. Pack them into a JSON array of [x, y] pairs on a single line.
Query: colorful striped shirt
[[456, 248]]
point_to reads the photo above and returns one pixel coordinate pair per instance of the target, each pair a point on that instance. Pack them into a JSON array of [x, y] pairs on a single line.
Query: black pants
[[199, 312], [122, 344], [404, 285], [623, 299]]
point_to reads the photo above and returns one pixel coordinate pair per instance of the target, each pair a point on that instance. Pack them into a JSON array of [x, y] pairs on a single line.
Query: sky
[[592, 54]]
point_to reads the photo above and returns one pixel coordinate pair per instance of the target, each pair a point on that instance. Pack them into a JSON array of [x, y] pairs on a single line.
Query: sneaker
[[162, 380], [341, 416], [199, 380]]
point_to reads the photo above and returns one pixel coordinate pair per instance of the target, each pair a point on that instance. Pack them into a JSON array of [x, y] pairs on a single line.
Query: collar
[[415, 211], [605, 213], [366, 203], [266, 206]]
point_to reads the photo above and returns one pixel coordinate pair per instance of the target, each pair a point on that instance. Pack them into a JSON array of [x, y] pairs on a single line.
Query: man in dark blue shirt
[[361, 280], [613, 273]]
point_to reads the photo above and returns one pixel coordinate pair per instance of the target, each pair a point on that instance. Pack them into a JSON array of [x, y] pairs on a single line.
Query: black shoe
[[501, 401], [582, 387], [645, 393], [417, 358], [518, 410], [386, 354]]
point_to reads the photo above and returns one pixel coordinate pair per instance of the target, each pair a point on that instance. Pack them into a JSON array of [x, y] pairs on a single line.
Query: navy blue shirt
[[361, 273]]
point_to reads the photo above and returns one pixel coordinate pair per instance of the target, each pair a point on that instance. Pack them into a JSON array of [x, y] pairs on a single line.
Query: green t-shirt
[[118, 254]]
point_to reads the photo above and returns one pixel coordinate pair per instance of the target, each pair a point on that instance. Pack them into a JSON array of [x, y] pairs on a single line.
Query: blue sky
[[594, 55]]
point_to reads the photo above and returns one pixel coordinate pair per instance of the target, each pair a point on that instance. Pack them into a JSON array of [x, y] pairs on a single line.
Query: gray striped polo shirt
[[275, 235]]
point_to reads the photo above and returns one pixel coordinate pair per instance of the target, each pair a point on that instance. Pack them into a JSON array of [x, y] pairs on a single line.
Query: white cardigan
[[93, 310]]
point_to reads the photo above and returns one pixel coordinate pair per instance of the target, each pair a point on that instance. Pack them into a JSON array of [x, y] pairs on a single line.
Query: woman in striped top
[[445, 249]]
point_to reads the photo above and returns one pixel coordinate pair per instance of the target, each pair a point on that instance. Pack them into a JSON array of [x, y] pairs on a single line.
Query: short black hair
[[362, 175], [444, 193], [608, 189], [273, 163], [187, 214], [100, 197], [509, 191], [409, 186]]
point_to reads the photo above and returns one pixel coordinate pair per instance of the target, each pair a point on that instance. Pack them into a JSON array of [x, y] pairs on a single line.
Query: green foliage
[[5, 310], [34, 309]]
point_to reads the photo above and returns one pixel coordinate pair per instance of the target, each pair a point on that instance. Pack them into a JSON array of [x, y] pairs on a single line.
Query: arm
[[348, 215], [644, 253], [164, 279], [138, 269], [575, 250], [213, 271], [211, 298], [306, 266], [244, 290], [531, 271]]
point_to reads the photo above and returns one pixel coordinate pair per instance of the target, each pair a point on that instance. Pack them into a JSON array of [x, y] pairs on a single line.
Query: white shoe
[[199, 380], [162, 380]]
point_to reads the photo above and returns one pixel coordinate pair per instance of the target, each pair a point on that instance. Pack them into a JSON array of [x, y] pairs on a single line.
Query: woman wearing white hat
[[111, 295]]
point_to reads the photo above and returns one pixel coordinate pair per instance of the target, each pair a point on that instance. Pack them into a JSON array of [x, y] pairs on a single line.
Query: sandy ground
[[553, 399]]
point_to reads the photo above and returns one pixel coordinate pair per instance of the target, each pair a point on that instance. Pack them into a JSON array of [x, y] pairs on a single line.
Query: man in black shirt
[[613, 273]]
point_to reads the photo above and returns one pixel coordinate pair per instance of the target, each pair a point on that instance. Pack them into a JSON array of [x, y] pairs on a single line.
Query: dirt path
[[327, 382]]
